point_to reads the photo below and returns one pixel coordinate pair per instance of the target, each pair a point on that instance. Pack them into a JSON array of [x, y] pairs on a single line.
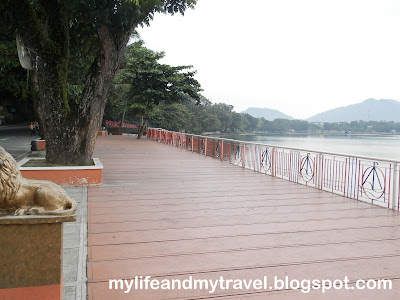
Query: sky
[[299, 57]]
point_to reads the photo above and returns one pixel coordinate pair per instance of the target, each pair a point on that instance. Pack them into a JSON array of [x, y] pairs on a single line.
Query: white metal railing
[[367, 179]]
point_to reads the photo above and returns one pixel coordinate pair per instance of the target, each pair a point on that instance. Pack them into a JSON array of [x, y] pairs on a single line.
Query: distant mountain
[[368, 110], [266, 113]]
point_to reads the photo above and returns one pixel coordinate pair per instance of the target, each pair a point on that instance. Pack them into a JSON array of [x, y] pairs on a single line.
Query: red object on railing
[[115, 124]]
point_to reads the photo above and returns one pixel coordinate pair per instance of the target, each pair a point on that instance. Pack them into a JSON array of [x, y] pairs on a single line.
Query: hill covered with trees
[[368, 110], [266, 113], [191, 117]]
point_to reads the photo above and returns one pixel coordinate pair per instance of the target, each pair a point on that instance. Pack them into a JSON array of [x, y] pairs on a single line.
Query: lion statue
[[21, 196]]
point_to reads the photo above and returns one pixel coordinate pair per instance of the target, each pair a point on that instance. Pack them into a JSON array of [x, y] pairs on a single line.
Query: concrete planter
[[31, 251], [71, 175], [38, 145]]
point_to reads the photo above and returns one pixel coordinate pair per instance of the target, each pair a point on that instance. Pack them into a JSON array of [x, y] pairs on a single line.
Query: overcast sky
[[301, 57]]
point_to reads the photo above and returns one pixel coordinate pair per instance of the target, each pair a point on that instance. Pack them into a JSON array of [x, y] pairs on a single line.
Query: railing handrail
[[289, 148], [352, 176]]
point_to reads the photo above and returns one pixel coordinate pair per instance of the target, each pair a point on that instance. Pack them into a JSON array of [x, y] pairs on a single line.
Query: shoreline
[[304, 134]]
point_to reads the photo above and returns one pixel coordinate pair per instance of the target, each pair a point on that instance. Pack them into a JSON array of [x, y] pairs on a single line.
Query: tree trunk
[[142, 126], [122, 118], [71, 131], [70, 126], [36, 102]]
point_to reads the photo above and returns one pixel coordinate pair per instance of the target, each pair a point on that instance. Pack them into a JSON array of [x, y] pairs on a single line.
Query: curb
[[23, 155]]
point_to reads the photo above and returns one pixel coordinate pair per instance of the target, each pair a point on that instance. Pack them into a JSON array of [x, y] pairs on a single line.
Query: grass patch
[[42, 163]]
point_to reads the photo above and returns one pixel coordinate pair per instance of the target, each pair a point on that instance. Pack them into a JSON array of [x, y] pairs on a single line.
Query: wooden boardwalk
[[168, 213]]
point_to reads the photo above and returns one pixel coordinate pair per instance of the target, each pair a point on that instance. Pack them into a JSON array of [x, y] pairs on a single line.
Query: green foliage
[[144, 83], [207, 117], [67, 32], [175, 116], [14, 81], [362, 126], [12, 76]]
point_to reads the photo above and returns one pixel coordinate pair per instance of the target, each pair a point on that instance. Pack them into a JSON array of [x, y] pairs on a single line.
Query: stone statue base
[[31, 251]]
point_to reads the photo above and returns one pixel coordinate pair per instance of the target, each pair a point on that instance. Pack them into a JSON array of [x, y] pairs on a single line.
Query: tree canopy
[[144, 83], [14, 81]]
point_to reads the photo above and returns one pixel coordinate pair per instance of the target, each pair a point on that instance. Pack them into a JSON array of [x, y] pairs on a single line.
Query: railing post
[[255, 159], [395, 187], [244, 156], [230, 152], [183, 140], [221, 150], [272, 161], [319, 171]]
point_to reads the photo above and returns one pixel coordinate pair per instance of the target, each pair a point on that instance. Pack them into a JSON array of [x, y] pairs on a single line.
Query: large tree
[[148, 83], [75, 48]]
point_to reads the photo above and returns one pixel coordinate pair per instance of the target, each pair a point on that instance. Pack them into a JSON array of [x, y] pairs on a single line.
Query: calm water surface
[[372, 146]]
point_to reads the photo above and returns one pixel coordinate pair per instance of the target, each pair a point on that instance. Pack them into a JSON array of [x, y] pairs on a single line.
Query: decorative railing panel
[[367, 179]]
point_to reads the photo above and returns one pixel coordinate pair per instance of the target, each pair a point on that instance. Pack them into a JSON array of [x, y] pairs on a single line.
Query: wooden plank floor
[[168, 213]]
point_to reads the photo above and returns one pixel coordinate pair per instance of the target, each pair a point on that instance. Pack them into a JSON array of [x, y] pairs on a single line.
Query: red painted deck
[[168, 213]]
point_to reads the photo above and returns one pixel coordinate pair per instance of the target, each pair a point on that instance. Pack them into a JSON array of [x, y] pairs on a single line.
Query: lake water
[[363, 145]]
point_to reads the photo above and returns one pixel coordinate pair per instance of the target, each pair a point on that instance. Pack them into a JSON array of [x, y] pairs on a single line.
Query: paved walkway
[[171, 214], [75, 248]]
